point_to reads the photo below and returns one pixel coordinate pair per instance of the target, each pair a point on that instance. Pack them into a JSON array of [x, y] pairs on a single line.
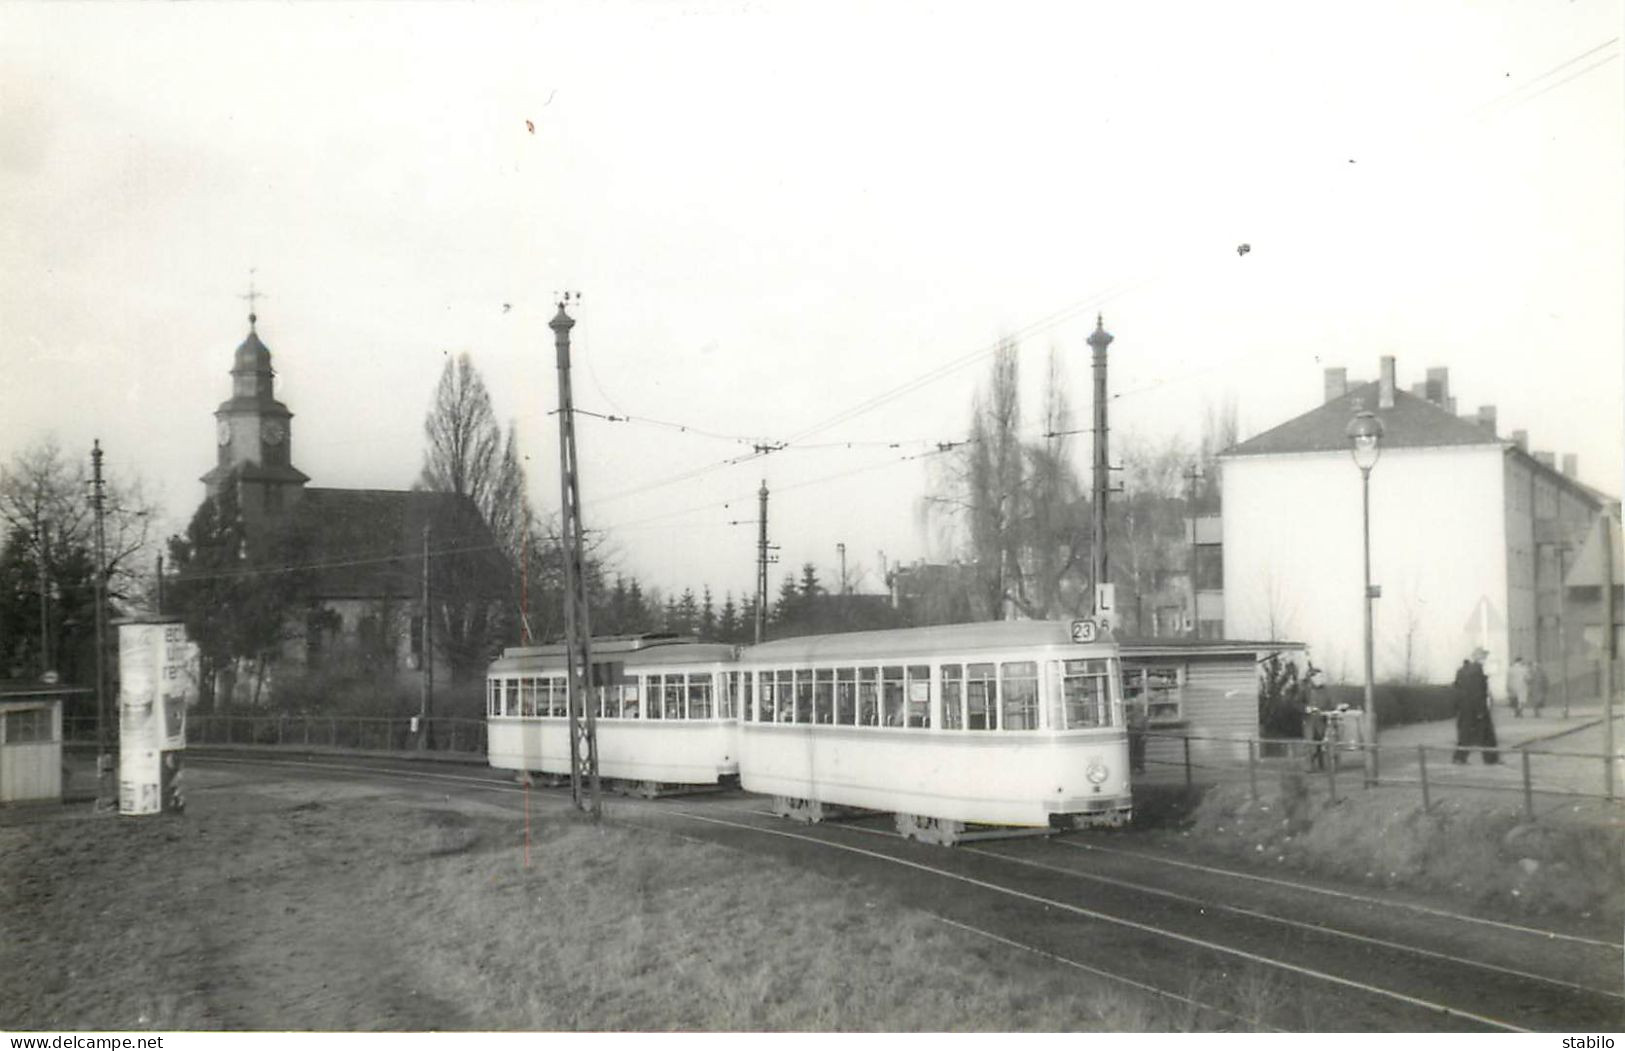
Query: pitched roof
[[368, 543], [1412, 423]]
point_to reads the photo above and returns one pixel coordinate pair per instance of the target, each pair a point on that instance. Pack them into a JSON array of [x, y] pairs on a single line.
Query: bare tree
[[47, 537], [477, 580]]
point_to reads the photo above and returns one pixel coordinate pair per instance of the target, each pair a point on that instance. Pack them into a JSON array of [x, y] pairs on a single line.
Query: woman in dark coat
[[1473, 725]]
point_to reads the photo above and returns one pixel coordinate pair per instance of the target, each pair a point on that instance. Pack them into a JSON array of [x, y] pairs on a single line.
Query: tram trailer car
[[664, 717], [1007, 723]]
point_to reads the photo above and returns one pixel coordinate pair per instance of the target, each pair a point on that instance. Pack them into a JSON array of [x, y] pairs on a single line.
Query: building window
[[28, 726], [1159, 688]]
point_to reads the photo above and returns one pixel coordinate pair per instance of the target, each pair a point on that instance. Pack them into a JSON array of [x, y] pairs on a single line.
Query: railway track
[[1236, 947]]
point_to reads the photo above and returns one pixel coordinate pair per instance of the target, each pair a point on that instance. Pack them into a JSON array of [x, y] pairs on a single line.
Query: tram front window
[[1018, 690], [1084, 692]]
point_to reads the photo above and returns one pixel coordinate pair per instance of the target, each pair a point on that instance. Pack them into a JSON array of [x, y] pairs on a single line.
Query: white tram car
[[1009, 723], [1004, 723], [663, 715]]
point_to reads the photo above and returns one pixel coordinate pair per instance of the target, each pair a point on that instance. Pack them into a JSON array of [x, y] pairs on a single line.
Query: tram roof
[[909, 642], [632, 650]]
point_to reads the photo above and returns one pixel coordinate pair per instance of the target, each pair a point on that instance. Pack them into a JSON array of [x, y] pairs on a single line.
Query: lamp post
[[1365, 444]]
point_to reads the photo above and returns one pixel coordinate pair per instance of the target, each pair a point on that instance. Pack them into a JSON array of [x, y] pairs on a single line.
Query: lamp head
[[1365, 439]]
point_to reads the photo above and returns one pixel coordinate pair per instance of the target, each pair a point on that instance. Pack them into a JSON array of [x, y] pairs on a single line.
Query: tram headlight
[[1097, 772]]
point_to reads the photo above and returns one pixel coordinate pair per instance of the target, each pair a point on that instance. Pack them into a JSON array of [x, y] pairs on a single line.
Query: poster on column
[[157, 679]]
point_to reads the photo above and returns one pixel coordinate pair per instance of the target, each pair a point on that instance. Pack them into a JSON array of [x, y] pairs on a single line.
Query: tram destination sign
[[1084, 630]]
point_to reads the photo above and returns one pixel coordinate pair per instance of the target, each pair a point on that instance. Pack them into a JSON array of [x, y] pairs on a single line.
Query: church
[[364, 550]]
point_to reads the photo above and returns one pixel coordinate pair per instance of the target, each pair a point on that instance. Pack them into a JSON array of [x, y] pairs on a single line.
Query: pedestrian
[[1474, 727], [1518, 686], [1139, 720], [1538, 685]]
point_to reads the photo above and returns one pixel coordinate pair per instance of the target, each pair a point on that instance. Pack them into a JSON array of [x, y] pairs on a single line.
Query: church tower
[[254, 436]]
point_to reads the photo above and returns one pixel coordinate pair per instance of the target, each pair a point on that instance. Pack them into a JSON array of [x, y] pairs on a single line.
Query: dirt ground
[[325, 905]]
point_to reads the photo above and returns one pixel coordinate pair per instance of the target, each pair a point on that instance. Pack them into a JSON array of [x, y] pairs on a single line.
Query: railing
[[1434, 770], [348, 732]]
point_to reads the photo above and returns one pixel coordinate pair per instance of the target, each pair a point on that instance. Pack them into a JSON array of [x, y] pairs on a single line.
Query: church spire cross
[[252, 297]]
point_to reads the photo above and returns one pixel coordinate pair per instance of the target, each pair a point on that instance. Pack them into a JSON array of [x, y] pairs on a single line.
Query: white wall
[[1293, 558]]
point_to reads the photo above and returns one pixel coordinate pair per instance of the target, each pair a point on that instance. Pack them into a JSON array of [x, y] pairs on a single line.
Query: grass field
[[328, 907]]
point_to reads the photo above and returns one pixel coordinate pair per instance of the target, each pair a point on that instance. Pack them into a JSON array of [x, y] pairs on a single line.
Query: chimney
[[1521, 440], [1439, 386], [1337, 383], [1571, 465], [1547, 459], [1486, 417], [1385, 385]]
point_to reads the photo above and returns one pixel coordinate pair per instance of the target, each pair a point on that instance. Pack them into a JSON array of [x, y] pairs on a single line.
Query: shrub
[[1398, 704]]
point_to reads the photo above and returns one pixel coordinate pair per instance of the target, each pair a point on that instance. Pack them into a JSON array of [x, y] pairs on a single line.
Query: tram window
[[1018, 690], [745, 697], [953, 697], [527, 697], [918, 712], [490, 697], [892, 695], [787, 694], [1084, 694], [868, 697], [824, 696], [555, 696], [674, 696], [653, 692], [510, 701], [765, 710], [730, 689], [846, 696], [804, 696], [699, 696], [981, 698]]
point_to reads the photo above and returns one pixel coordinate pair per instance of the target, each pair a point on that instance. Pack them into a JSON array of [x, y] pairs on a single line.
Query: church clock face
[[222, 432], [275, 432]]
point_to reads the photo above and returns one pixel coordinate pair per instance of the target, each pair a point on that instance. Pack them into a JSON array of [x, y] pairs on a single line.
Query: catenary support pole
[[584, 786]]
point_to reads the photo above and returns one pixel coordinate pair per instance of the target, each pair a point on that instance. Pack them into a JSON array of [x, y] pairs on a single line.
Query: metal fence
[[348, 732], [1338, 767]]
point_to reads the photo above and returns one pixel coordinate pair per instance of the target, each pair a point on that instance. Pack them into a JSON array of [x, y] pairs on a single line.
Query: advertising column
[[157, 677]]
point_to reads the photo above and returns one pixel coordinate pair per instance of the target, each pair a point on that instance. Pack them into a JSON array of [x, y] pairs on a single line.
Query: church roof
[[251, 355], [1413, 422], [368, 543]]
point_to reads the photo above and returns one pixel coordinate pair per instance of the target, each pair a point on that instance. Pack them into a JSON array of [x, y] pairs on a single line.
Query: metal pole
[[1188, 784], [1252, 767], [106, 790], [426, 698], [1099, 340], [1422, 763], [1610, 650], [1370, 693], [44, 599], [584, 784], [1528, 793], [1190, 509], [761, 561], [1562, 623]]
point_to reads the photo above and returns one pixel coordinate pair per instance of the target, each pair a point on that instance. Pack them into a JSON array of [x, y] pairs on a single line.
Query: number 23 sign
[[1083, 631]]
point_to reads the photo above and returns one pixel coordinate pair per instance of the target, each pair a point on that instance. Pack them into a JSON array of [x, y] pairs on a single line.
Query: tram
[[664, 716], [1009, 723], [955, 729]]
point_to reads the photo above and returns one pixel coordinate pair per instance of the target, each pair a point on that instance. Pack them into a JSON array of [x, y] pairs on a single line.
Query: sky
[[799, 223]]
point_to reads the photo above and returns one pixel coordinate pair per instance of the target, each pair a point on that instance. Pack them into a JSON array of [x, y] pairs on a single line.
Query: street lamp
[[1365, 444]]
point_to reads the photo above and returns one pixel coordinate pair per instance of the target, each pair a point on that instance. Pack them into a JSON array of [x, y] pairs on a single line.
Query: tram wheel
[[804, 811], [939, 831]]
